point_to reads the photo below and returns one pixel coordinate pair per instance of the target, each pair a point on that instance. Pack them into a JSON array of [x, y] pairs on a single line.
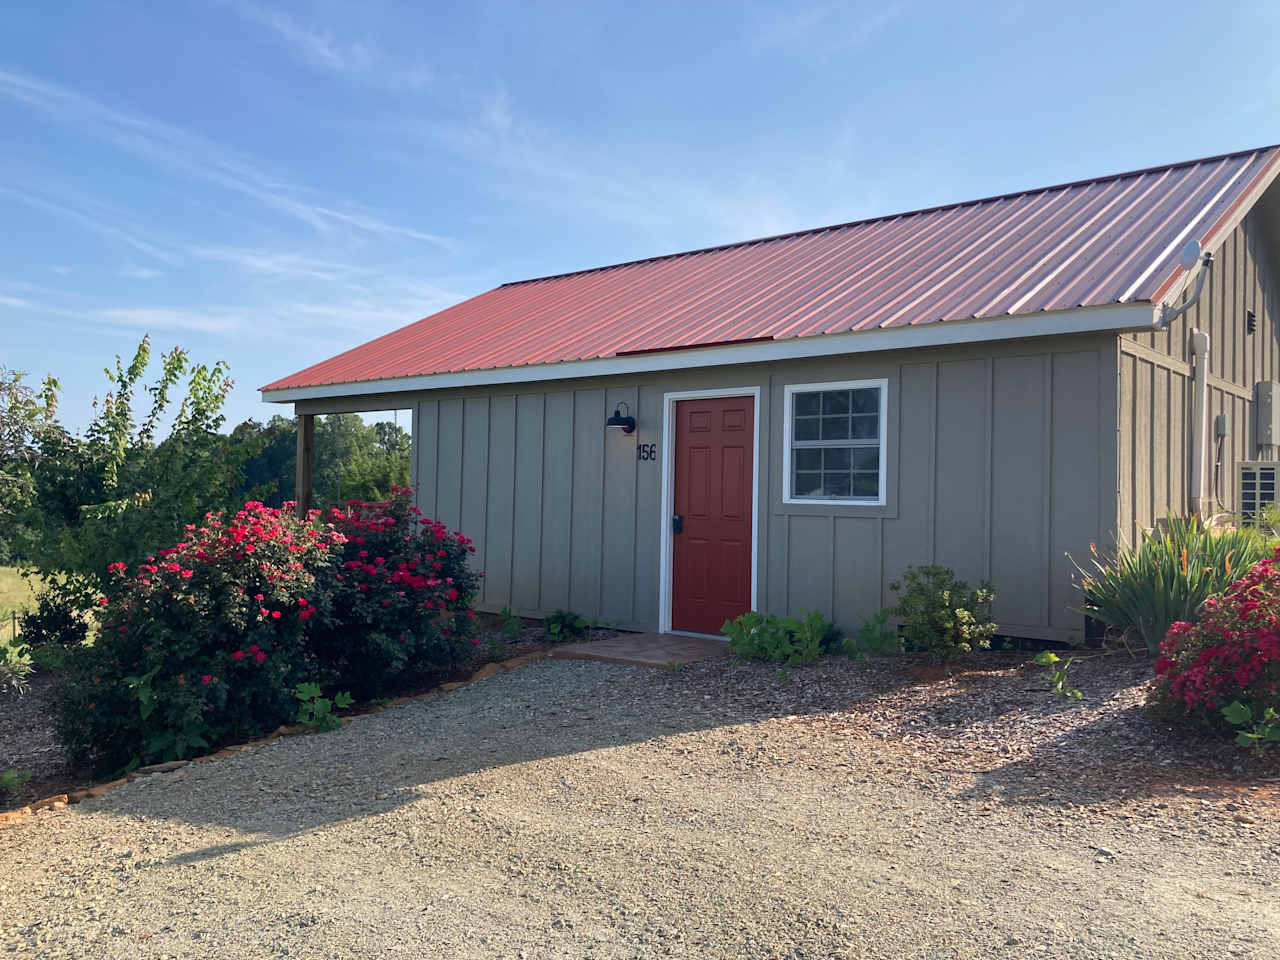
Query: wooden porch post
[[306, 461]]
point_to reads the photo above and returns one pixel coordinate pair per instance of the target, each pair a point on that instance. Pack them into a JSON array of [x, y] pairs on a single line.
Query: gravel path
[[577, 809]]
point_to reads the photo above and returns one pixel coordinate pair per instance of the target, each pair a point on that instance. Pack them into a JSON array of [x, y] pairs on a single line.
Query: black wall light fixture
[[626, 423]]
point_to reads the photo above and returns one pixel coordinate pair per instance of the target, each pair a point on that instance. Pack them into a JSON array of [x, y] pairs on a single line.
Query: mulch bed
[[994, 715]]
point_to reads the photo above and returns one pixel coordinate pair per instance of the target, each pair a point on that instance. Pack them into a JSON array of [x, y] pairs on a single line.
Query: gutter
[[1116, 317]]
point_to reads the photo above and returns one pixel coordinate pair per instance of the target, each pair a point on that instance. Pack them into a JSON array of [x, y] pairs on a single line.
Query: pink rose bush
[[1231, 653], [204, 643], [397, 601]]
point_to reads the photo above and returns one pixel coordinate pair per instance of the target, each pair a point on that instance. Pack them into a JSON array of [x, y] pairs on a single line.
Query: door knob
[[677, 524]]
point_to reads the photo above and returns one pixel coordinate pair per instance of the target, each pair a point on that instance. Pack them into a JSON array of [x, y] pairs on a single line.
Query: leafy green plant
[[15, 667], [675, 666], [49, 658], [1166, 578], [55, 620], [564, 625], [1057, 675], [13, 780], [875, 636], [775, 639], [1257, 735], [940, 614], [315, 712], [495, 648], [511, 624]]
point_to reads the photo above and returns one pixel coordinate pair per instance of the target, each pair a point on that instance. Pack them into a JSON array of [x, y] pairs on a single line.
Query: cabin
[[785, 423]]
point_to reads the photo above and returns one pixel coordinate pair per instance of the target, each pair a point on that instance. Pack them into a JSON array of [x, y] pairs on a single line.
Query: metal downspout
[[1199, 422]]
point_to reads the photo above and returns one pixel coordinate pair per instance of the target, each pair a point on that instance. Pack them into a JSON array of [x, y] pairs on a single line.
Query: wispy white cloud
[[140, 273], [6, 301], [323, 48], [203, 320], [824, 28], [190, 155], [317, 46], [88, 217]]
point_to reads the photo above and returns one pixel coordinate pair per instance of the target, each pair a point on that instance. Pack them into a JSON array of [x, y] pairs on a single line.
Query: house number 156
[[646, 451]]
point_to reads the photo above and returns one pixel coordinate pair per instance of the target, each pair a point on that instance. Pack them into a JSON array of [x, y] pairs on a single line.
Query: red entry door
[[711, 530]]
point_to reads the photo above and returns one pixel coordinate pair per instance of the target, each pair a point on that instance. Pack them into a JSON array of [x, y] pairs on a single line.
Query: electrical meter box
[[1266, 412]]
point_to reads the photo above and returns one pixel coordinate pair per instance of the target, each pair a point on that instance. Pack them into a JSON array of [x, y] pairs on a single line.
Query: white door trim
[[665, 554]]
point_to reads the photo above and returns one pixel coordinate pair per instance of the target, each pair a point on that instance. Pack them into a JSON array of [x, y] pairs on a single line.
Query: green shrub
[[13, 780], [49, 659], [511, 624], [56, 619], [874, 636], [940, 614], [564, 625], [1167, 577], [775, 639]]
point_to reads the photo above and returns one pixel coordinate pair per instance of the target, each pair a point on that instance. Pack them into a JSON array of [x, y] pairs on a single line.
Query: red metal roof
[[1114, 239]]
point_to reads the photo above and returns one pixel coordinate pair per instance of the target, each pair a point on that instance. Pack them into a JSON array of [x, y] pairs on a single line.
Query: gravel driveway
[[578, 809]]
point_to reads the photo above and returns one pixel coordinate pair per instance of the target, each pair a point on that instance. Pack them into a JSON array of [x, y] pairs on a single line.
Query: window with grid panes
[[836, 443]]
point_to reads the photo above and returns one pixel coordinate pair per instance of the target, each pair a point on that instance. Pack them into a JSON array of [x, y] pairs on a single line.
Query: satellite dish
[[1190, 254]]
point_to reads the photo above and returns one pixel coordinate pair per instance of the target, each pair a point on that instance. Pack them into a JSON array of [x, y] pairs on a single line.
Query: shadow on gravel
[[377, 763]]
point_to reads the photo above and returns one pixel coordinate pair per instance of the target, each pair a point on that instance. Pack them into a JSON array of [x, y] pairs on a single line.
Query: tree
[[26, 420], [118, 494]]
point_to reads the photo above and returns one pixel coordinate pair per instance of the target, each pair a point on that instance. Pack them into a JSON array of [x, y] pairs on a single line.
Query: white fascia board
[[1119, 316]]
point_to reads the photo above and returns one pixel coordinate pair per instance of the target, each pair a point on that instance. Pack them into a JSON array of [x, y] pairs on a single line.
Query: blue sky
[[271, 184]]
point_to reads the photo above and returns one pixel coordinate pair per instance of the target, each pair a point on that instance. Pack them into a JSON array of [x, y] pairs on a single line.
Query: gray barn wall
[[1000, 462], [1154, 416]]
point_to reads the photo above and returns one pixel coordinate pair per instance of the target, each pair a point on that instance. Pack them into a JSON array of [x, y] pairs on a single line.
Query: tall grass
[[16, 595], [1142, 590]]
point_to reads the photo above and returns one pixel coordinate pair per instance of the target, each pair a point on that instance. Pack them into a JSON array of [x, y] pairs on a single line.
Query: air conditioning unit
[[1257, 486]]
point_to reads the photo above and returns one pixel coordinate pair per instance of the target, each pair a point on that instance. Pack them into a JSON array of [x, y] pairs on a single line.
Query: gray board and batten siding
[[1000, 461], [1155, 392]]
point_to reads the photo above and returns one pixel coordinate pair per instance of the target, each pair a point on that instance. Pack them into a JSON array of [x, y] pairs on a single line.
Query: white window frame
[[789, 392]]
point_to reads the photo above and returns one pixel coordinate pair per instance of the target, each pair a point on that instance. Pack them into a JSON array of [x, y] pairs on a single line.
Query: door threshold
[[702, 636]]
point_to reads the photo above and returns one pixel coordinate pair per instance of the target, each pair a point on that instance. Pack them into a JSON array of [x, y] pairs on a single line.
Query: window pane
[[835, 428], [866, 401], [835, 484], [865, 427], [806, 429], [809, 459], [807, 484], [835, 401], [866, 458], [807, 404], [835, 458], [866, 485]]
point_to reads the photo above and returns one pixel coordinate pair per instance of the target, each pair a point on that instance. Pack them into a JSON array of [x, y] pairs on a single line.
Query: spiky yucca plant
[[1164, 579]]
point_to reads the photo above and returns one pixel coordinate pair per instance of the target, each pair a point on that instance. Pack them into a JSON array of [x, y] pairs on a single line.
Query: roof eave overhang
[[1099, 319]]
